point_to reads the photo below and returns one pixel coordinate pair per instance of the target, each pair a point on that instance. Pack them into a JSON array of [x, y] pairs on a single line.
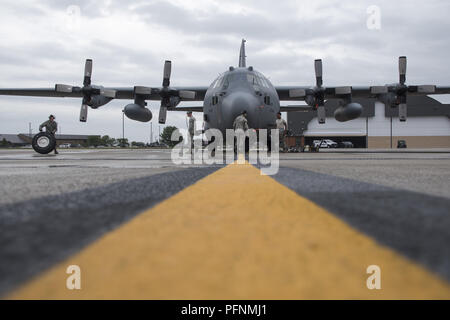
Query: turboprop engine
[[348, 112], [137, 112]]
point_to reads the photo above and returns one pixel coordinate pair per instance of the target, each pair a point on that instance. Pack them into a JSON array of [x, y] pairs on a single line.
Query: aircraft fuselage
[[237, 90]]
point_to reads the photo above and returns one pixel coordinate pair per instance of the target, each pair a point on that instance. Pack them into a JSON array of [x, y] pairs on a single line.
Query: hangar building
[[427, 126]]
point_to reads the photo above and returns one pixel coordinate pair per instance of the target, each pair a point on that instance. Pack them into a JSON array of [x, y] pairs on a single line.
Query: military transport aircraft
[[236, 90]]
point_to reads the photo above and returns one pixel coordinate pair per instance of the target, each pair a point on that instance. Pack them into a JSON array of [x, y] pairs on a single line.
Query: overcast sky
[[46, 42]]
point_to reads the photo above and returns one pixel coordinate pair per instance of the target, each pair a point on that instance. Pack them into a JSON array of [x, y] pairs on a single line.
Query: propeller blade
[[63, 88], [87, 72], [142, 90], [297, 93], [162, 114], [318, 70], [378, 89], [402, 69], [402, 111], [186, 94], [166, 73], [321, 114], [108, 93], [83, 112]]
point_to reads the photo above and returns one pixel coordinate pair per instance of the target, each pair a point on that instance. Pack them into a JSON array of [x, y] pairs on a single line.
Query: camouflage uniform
[[282, 127], [191, 130], [50, 127], [240, 123]]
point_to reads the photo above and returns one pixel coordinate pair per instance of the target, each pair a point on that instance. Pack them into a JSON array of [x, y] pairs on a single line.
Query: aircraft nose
[[238, 102]]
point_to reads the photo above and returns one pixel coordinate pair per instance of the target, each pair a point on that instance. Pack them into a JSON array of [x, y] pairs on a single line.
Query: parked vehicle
[[326, 143], [346, 144], [294, 150], [401, 144]]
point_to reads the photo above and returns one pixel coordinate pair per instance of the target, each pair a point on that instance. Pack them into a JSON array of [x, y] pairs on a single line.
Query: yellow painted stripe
[[236, 235]]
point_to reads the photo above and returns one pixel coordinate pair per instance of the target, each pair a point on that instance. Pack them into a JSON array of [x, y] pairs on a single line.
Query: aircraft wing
[[415, 90], [288, 108], [37, 92], [120, 92], [187, 108], [299, 93]]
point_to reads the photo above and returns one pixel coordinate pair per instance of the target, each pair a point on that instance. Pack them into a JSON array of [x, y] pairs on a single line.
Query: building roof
[[12, 138]]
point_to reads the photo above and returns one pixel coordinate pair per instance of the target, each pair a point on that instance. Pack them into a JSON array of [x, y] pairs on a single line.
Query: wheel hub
[[43, 142]]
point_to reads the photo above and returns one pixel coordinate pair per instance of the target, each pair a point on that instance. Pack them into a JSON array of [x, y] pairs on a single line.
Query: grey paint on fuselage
[[237, 90]]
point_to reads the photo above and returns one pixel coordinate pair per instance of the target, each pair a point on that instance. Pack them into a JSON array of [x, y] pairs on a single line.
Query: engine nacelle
[[98, 101], [389, 99], [348, 112], [174, 101], [138, 113]]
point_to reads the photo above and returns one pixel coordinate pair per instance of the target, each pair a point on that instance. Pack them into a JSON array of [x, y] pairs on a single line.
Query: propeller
[[315, 97], [88, 90], [401, 90], [167, 93], [319, 91]]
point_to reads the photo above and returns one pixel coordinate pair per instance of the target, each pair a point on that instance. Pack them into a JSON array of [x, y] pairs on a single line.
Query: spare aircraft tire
[[43, 142]]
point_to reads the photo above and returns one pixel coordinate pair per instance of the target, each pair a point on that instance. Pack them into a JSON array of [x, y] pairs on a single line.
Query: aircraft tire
[[43, 143]]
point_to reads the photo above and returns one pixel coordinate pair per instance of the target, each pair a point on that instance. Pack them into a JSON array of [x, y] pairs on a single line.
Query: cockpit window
[[225, 83], [261, 82], [255, 80], [213, 85], [264, 81], [218, 82], [251, 78]]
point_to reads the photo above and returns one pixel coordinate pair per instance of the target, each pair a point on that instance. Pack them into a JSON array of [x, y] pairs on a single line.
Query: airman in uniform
[[191, 128], [50, 126], [282, 127], [241, 122]]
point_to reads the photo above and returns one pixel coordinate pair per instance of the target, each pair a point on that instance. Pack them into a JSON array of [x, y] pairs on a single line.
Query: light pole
[[123, 127], [151, 132], [367, 132], [391, 132]]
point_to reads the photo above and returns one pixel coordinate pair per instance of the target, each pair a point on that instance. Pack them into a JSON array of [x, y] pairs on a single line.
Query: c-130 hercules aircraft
[[236, 90]]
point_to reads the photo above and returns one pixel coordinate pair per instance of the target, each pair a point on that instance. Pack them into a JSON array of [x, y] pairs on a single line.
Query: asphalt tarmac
[[55, 208]]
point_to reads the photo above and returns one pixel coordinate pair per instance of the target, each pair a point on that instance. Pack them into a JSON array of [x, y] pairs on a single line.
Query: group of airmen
[[241, 123], [51, 126]]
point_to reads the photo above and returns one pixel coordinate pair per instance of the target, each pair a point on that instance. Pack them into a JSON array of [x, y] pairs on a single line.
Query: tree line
[[107, 141]]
